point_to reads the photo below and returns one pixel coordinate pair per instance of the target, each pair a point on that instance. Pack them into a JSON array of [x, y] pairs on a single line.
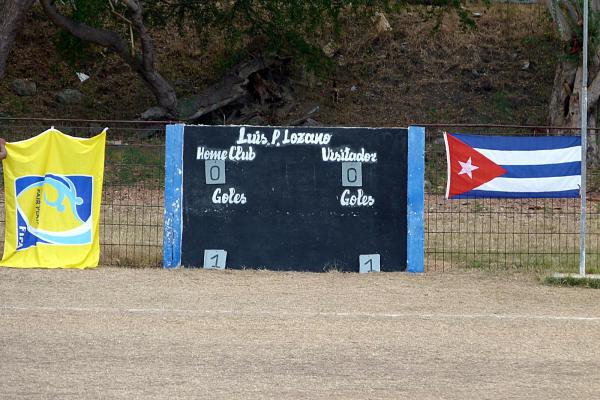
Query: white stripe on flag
[[552, 184], [533, 157]]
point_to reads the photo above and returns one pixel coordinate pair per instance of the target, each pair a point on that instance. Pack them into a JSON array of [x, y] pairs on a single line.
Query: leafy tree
[[280, 26], [86, 20], [285, 27]]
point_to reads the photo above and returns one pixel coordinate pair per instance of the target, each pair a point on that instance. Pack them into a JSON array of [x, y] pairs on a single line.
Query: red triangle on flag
[[467, 168]]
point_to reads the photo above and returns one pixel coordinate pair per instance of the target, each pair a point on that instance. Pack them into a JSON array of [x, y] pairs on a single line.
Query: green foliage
[[573, 281], [479, 207], [90, 12], [18, 104], [283, 27], [502, 103], [127, 165], [438, 8], [294, 28]]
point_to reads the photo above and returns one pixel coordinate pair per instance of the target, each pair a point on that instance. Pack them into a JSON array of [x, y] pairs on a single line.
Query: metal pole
[[584, 101]]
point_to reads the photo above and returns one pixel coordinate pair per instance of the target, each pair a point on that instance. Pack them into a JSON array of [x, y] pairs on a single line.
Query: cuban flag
[[512, 166]]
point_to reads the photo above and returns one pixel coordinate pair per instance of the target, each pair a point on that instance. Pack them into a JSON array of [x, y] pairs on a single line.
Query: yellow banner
[[52, 191]]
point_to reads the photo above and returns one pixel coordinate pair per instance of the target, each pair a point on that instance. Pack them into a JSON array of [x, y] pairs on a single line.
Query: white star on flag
[[467, 168]]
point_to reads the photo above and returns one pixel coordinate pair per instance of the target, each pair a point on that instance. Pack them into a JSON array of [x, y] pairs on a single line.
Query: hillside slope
[[502, 72]]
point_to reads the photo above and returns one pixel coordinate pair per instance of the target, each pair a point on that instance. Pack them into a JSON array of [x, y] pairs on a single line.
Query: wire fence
[[466, 233], [534, 234], [131, 225]]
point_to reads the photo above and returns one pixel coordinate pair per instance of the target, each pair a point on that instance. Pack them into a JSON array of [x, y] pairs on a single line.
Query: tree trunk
[[143, 64], [564, 82], [565, 106], [12, 13]]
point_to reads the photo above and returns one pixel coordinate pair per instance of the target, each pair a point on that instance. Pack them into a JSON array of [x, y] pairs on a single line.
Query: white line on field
[[284, 313]]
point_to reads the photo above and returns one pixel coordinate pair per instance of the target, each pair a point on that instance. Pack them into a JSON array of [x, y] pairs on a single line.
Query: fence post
[[173, 196], [415, 232], [584, 114]]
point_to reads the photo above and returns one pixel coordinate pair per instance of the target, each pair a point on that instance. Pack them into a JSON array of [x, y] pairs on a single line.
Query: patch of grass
[[501, 104], [128, 165], [573, 281], [478, 207], [131, 227], [18, 105], [477, 264], [435, 171], [532, 235], [513, 260]]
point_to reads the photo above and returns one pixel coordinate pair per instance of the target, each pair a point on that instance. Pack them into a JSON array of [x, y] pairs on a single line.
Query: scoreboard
[[294, 198]]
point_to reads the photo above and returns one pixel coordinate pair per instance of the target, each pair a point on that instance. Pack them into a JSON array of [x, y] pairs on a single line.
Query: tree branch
[[87, 33], [138, 22], [143, 65]]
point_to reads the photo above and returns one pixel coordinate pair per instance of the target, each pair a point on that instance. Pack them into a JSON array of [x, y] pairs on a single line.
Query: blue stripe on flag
[[474, 194], [519, 142], [542, 171]]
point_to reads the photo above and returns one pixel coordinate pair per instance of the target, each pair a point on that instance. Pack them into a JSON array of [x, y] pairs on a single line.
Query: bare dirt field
[[194, 334]]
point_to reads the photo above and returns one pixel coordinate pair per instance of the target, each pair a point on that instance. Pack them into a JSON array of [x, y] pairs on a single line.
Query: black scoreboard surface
[[294, 198]]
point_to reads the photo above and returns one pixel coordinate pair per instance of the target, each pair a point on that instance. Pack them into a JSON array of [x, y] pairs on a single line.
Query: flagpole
[[584, 102]]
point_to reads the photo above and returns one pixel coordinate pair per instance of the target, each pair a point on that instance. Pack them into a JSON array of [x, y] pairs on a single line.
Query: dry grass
[[417, 74], [131, 226], [131, 230], [538, 235], [414, 74], [532, 234]]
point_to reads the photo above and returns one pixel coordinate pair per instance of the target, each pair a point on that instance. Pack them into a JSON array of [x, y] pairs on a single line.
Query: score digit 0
[[215, 172], [351, 174]]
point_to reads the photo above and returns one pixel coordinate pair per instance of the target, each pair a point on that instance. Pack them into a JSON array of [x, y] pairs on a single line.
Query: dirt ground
[[191, 334]]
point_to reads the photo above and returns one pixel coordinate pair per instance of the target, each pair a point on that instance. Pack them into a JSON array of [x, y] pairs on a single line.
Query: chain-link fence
[[471, 233], [504, 233], [131, 225]]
